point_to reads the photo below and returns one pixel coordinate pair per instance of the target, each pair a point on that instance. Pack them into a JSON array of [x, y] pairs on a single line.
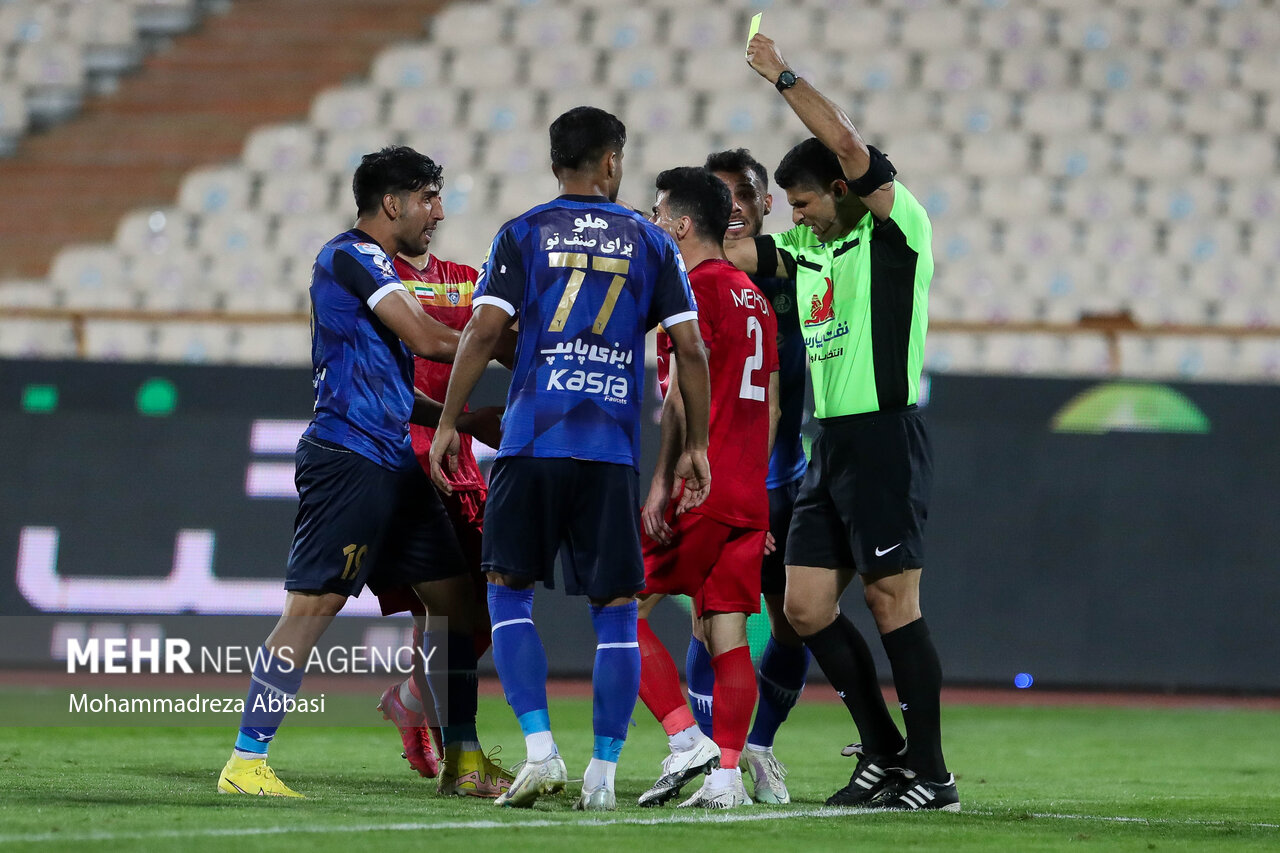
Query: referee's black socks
[[917, 675], [846, 661]]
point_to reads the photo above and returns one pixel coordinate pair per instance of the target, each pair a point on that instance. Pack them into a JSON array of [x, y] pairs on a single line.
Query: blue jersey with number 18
[[587, 279]]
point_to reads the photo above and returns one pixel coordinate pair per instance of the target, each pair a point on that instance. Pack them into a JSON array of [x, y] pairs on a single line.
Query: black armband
[[766, 256], [879, 173]]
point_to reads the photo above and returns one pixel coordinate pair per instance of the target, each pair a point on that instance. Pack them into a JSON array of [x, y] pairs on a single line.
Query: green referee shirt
[[863, 302]]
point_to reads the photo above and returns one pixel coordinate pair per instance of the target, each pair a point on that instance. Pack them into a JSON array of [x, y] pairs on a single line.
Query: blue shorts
[[360, 523], [588, 512]]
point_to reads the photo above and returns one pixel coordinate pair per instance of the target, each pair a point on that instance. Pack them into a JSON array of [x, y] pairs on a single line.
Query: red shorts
[[465, 509], [715, 564]]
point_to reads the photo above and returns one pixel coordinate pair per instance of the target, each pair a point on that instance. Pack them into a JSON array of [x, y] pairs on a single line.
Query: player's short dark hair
[[739, 161], [583, 135], [809, 164], [695, 192], [394, 169]]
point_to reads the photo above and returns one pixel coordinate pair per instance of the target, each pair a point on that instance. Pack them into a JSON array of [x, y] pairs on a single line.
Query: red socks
[[734, 695], [733, 700], [660, 684]]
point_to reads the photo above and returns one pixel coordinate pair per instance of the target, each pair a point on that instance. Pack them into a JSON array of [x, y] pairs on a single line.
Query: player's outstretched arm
[[423, 334], [694, 383], [742, 254], [745, 255], [825, 120], [484, 423], [426, 411], [479, 339]]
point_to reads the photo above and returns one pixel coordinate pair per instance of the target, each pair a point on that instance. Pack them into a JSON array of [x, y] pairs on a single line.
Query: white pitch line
[[735, 817], [1157, 821]]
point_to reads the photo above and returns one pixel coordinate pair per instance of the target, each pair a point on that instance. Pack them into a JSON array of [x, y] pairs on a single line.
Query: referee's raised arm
[[868, 176]]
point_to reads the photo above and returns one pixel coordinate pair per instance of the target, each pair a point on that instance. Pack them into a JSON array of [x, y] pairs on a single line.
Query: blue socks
[[522, 665], [274, 684], [781, 678], [519, 656], [616, 677], [701, 679]]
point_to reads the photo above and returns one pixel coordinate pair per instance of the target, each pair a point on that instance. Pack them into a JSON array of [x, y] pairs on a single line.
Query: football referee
[[861, 258]]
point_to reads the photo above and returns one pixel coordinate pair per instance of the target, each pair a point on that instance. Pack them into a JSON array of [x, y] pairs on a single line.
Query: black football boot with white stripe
[[912, 795], [872, 775]]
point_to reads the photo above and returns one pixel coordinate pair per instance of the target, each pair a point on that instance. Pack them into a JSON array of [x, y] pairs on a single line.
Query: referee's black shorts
[[865, 497]]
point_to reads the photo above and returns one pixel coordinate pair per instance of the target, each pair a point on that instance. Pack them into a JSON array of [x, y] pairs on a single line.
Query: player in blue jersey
[[367, 513], [587, 278], [785, 661]]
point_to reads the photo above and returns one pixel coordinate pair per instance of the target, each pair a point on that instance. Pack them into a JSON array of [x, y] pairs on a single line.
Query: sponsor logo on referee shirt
[[821, 308]]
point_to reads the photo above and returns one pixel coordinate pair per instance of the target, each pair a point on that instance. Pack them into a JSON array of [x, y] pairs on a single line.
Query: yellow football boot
[[471, 773], [252, 776]]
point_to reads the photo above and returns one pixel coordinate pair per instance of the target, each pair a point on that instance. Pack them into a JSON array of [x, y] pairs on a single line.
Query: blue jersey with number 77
[[587, 279]]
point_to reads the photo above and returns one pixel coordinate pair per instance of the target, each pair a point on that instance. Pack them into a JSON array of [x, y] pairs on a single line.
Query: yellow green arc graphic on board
[[1130, 407]]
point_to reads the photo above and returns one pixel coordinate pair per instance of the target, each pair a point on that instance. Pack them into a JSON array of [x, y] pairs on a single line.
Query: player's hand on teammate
[[770, 544], [483, 424], [653, 515], [763, 56], [444, 450], [693, 480]]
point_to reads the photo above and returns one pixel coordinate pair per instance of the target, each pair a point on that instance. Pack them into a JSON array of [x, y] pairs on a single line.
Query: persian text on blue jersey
[[587, 279]]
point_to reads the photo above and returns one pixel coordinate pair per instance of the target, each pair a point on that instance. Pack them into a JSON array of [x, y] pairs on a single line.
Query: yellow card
[[755, 26]]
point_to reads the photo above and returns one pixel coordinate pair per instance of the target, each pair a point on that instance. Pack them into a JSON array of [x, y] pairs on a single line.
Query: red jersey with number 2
[[444, 290], [741, 335]]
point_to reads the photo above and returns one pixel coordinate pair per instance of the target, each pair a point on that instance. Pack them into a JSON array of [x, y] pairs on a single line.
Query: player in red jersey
[[444, 290], [712, 552]]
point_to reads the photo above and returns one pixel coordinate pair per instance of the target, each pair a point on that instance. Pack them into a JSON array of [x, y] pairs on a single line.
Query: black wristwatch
[[786, 80]]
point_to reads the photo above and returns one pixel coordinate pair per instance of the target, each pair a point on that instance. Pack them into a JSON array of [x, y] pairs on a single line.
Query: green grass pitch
[[1042, 778]]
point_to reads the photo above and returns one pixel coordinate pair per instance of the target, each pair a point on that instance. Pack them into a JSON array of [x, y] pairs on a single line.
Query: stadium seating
[[271, 343], [1076, 157], [56, 52], [281, 147], [216, 190], [1011, 28], [119, 340], [23, 338], [1031, 69], [91, 276], [628, 26], [14, 118], [28, 294], [660, 112], [973, 112], [198, 343], [1138, 113], [414, 65]]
